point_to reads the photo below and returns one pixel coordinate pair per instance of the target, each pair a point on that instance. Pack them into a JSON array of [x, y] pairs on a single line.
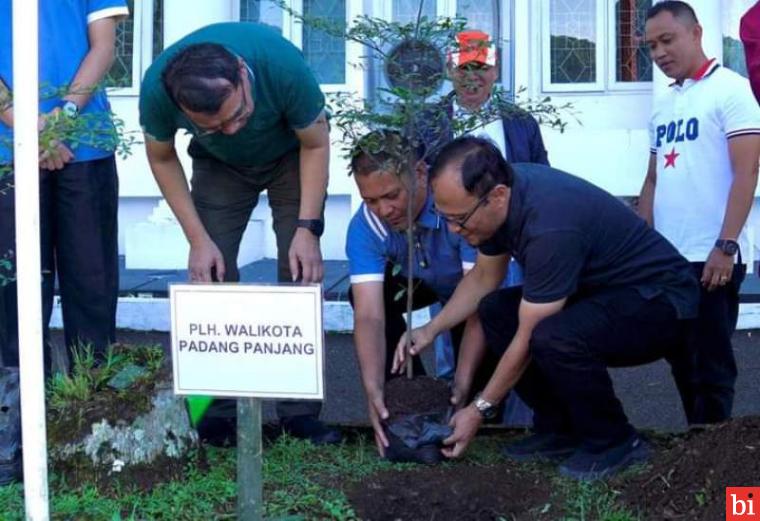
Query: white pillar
[[184, 16], [28, 266], [710, 15]]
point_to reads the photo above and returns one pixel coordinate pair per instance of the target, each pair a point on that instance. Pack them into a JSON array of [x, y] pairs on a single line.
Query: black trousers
[[79, 243], [711, 361], [395, 325], [567, 383], [225, 196]]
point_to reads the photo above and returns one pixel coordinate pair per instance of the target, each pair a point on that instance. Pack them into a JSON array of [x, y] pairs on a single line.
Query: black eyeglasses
[[462, 221], [242, 113]]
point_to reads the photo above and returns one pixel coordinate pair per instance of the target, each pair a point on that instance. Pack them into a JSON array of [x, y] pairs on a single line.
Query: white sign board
[[258, 341]]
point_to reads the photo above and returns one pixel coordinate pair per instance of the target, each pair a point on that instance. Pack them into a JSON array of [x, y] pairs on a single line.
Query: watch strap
[[315, 226]]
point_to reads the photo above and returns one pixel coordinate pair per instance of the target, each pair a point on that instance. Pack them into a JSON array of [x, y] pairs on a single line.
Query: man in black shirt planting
[[601, 290]]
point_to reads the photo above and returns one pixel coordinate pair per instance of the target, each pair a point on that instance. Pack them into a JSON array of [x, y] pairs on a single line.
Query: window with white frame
[[325, 54], [573, 41], [120, 75], [141, 33], [733, 50], [575, 35], [492, 16]]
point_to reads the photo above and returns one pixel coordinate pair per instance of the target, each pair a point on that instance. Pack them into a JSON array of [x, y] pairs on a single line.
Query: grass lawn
[[301, 482]]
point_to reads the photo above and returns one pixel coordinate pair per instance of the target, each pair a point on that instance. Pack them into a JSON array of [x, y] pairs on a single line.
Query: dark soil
[[418, 395], [688, 480], [453, 493]]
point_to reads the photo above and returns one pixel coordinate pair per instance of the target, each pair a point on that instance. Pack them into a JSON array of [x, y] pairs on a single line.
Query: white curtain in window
[[262, 11], [405, 11]]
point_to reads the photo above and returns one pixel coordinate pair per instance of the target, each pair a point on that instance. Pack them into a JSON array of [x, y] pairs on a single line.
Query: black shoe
[[587, 466], [541, 446], [307, 427]]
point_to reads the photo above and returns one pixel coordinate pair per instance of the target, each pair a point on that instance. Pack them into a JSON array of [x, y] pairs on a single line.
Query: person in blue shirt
[[78, 183], [78, 179], [377, 251]]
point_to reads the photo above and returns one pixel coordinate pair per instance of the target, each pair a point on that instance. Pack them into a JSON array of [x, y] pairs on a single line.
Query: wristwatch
[[70, 109], [727, 246], [486, 409], [315, 226]]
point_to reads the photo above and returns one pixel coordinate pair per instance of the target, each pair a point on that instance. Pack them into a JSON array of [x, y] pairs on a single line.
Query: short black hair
[[382, 149], [189, 77], [482, 164], [677, 8]]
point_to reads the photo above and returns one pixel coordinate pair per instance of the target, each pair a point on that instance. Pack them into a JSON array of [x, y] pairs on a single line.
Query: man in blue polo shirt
[[601, 289], [78, 181], [377, 250]]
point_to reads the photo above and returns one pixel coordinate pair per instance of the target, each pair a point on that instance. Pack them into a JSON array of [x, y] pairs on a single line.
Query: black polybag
[[10, 426], [416, 438]]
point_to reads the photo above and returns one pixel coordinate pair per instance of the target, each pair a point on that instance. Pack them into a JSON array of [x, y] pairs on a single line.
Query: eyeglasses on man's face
[[241, 114], [461, 222]]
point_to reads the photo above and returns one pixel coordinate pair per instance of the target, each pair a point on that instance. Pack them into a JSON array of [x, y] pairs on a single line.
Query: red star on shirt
[[670, 159]]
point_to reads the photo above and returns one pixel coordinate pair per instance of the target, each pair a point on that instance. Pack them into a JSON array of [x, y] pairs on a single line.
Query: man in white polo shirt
[[699, 189]]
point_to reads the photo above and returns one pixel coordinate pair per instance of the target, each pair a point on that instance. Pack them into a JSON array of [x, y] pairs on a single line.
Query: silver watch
[[486, 409], [70, 109]]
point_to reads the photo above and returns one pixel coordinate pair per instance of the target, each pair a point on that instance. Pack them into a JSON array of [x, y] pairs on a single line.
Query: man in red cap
[[473, 70]]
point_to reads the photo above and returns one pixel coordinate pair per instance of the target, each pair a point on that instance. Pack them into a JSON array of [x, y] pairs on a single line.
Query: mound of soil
[[452, 493], [418, 395], [688, 479]]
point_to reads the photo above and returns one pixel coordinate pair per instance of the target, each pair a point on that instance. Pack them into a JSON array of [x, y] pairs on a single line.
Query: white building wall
[[608, 146]]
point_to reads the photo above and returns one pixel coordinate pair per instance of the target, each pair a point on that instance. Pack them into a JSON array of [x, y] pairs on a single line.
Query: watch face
[[730, 248], [485, 409], [70, 109]]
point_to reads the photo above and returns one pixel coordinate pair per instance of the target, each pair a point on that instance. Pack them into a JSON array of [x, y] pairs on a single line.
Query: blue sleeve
[[365, 250]]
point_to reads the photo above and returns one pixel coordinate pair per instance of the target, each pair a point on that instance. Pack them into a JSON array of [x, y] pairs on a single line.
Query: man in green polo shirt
[[257, 119]]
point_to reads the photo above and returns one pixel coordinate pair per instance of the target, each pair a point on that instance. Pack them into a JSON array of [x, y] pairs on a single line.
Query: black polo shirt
[[573, 239]]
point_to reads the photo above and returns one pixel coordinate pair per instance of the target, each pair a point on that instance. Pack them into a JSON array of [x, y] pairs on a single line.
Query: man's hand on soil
[[421, 338], [305, 257], [466, 423], [377, 414], [205, 257]]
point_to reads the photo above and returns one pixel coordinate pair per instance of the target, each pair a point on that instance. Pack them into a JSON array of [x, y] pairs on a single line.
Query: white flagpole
[[28, 267]]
